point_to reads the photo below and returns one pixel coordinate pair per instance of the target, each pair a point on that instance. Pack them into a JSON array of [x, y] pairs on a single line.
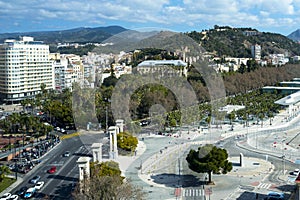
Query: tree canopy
[[209, 159], [126, 141], [106, 183]]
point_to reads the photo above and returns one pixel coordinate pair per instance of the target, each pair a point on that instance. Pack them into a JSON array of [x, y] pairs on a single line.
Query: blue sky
[[280, 16]]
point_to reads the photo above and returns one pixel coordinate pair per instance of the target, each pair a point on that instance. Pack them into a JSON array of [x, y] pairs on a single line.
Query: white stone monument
[[241, 160], [120, 125], [84, 167], [113, 150], [97, 152]]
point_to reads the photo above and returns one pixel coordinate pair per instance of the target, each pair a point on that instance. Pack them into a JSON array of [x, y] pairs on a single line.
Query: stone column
[[97, 152], [120, 125], [115, 145], [84, 167], [113, 142], [241, 160]]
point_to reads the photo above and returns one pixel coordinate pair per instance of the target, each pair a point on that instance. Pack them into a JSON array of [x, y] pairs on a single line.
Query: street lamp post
[[16, 173], [141, 166], [283, 156]]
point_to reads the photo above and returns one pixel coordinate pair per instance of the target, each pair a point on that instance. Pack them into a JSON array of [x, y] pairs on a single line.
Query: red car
[[52, 170]]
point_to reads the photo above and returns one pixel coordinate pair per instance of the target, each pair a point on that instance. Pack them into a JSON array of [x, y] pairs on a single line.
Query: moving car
[[52, 170], [67, 154], [39, 185], [29, 193], [35, 179], [5, 196]]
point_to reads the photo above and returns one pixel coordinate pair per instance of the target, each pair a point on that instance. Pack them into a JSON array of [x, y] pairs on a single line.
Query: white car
[[296, 172], [5, 196], [29, 193], [39, 185], [14, 197]]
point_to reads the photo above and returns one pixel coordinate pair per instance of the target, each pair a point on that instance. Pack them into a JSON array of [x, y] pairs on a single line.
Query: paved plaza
[[158, 165]]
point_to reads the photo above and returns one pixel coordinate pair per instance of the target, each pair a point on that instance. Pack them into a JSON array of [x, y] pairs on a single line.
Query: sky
[[278, 16]]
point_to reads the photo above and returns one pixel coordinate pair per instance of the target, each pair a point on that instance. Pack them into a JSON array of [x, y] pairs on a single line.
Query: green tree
[[106, 183], [4, 170], [127, 141], [108, 188], [231, 116], [110, 81], [109, 168], [209, 159]]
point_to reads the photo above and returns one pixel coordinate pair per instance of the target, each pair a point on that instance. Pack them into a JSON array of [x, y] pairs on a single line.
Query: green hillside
[[227, 41]]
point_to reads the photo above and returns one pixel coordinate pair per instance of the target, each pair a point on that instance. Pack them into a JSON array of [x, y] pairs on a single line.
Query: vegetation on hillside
[[232, 42]]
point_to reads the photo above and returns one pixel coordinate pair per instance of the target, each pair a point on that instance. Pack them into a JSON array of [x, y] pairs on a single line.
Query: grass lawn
[[6, 183]]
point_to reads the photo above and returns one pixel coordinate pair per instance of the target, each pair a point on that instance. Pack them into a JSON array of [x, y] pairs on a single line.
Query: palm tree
[[270, 115], [4, 170], [26, 122], [14, 119]]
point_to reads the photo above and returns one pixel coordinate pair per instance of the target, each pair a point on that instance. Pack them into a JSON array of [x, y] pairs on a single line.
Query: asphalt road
[[60, 184]]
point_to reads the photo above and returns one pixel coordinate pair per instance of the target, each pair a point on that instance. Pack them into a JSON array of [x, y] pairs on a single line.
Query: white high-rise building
[[256, 52], [24, 67]]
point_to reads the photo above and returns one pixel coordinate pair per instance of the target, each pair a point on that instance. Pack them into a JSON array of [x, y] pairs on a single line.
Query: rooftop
[[290, 99], [162, 62]]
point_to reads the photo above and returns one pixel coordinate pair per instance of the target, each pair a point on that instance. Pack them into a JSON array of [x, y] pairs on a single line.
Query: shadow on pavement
[[288, 188], [65, 178], [61, 193], [83, 154], [254, 195], [175, 180]]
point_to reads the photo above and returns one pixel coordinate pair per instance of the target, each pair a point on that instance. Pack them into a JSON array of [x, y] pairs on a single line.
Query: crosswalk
[[264, 185], [192, 192]]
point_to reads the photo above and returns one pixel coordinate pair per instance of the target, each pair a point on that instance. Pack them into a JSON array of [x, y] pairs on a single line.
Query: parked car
[[296, 172], [52, 170], [35, 179], [39, 185], [5, 196], [29, 193], [14, 197], [66, 154], [22, 191], [275, 196]]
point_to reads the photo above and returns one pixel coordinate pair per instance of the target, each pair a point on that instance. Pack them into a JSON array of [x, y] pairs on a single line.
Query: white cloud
[[262, 13]]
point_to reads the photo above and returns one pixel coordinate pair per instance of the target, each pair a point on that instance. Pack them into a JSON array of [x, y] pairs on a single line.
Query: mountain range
[[295, 35], [231, 42], [76, 35]]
